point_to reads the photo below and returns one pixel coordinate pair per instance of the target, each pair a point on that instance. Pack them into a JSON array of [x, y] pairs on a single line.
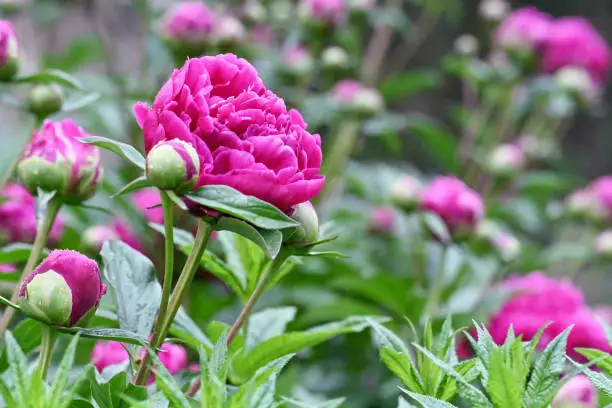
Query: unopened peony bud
[[466, 45], [63, 289], [584, 204], [506, 160], [297, 61], [406, 192], [255, 12], [9, 51], [326, 12], [173, 165], [578, 82], [308, 231], [335, 58], [353, 97], [55, 160], [229, 31], [509, 247], [493, 10], [382, 220], [603, 244], [188, 28], [45, 99], [578, 392]]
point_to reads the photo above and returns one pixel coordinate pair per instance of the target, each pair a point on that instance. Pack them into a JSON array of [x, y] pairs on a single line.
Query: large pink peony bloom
[[573, 42], [523, 29], [326, 11], [190, 22], [459, 206], [8, 42], [244, 135], [18, 216], [82, 277], [540, 300]]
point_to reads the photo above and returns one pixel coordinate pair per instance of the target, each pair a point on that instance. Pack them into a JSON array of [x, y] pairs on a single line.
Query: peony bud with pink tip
[[603, 244], [506, 160], [578, 392], [63, 289], [382, 220], [55, 160], [173, 165], [353, 97], [406, 192], [328, 12], [9, 51], [188, 28]]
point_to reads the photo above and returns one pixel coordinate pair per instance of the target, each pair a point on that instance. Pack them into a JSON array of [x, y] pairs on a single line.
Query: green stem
[[272, 268], [46, 350], [168, 256], [433, 302], [189, 270], [42, 235]]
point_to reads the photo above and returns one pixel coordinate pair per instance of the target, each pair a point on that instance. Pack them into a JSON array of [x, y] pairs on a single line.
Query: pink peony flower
[[574, 42], [18, 216], [63, 288], [326, 11], [540, 300], [523, 29], [7, 268], [8, 42], [243, 134], [459, 206], [578, 392], [190, 22], [55, 160], [144, 199], [104, 354]]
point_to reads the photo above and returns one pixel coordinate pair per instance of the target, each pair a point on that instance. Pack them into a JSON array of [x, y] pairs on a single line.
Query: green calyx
[[36, 172], [48, 298]]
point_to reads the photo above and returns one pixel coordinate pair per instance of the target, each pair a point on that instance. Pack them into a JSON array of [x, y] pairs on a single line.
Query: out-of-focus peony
[[506, 160], [466, 45], [63, 289], [148, 202], [229, 31], [603, 243], [493, 10], [244, 135], [9, 51], [55, 160], [95, 236], [540, 300], [190, 24], [594, 201], [523, 30], [578, 392], [297, 61], [578, 81], [574, 42], [104, 354], [18, 217], [354, 97], [382, 220], [507, 245], [329, 12], [8, 268], [459, 206], [335, 58], [406, 192]]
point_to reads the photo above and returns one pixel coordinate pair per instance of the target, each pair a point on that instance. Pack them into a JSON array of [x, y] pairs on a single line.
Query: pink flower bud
[[229, 30], [190, 24], [244, 135], [585, 204], [9, 51], [332, 12], [459, 206], [574, 42], [173, 165], [523, 30], [148, 202], [506, 160], [18, 217], [8, 268], [406, 192], [63, 289], [493, 10], [352, 96], [603, 243], [382, 220], [578, 392], [335, 58], [55, 160], [173, 357], [297, 61]]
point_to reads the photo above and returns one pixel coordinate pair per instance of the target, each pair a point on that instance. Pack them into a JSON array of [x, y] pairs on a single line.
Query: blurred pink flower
[[578, 392], [459, 206], [144, 199], [8, 268], [573, 41], [297, 59], [540, 300], [523, 29], [191, 22], [8, 42], [344, 92], [126, 234], [383, 219], [96, 235], [18, 216], [244, 135], [325, 11]]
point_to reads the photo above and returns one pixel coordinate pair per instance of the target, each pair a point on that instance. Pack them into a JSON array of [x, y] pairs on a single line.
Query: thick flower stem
[[167, 206], [272, 268], [42, 235], [46, 350], [189, 270], [433, 301]]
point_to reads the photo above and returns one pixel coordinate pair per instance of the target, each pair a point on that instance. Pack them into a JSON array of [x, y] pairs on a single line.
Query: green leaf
[[134, 185], [436, 226], [217, 267], [121, 335], [18, 364], [436, 140], [245, 259], [601, 381], [137, 292], [268, 323], [247, 363], [213, 374], [335, 403], [403, 368], [243, 395], [403, 85], [250, 209], [448, 386], [386, 338], [80, 101], [122, 149], [28, 336], [7, 395], [60, 381], [503, 386], [427, 401], [8, 303], [268, 240], [603, 359], [167, 384], [185, 329], [53, 76], [548, 367], [183, 239], [15, 253]]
